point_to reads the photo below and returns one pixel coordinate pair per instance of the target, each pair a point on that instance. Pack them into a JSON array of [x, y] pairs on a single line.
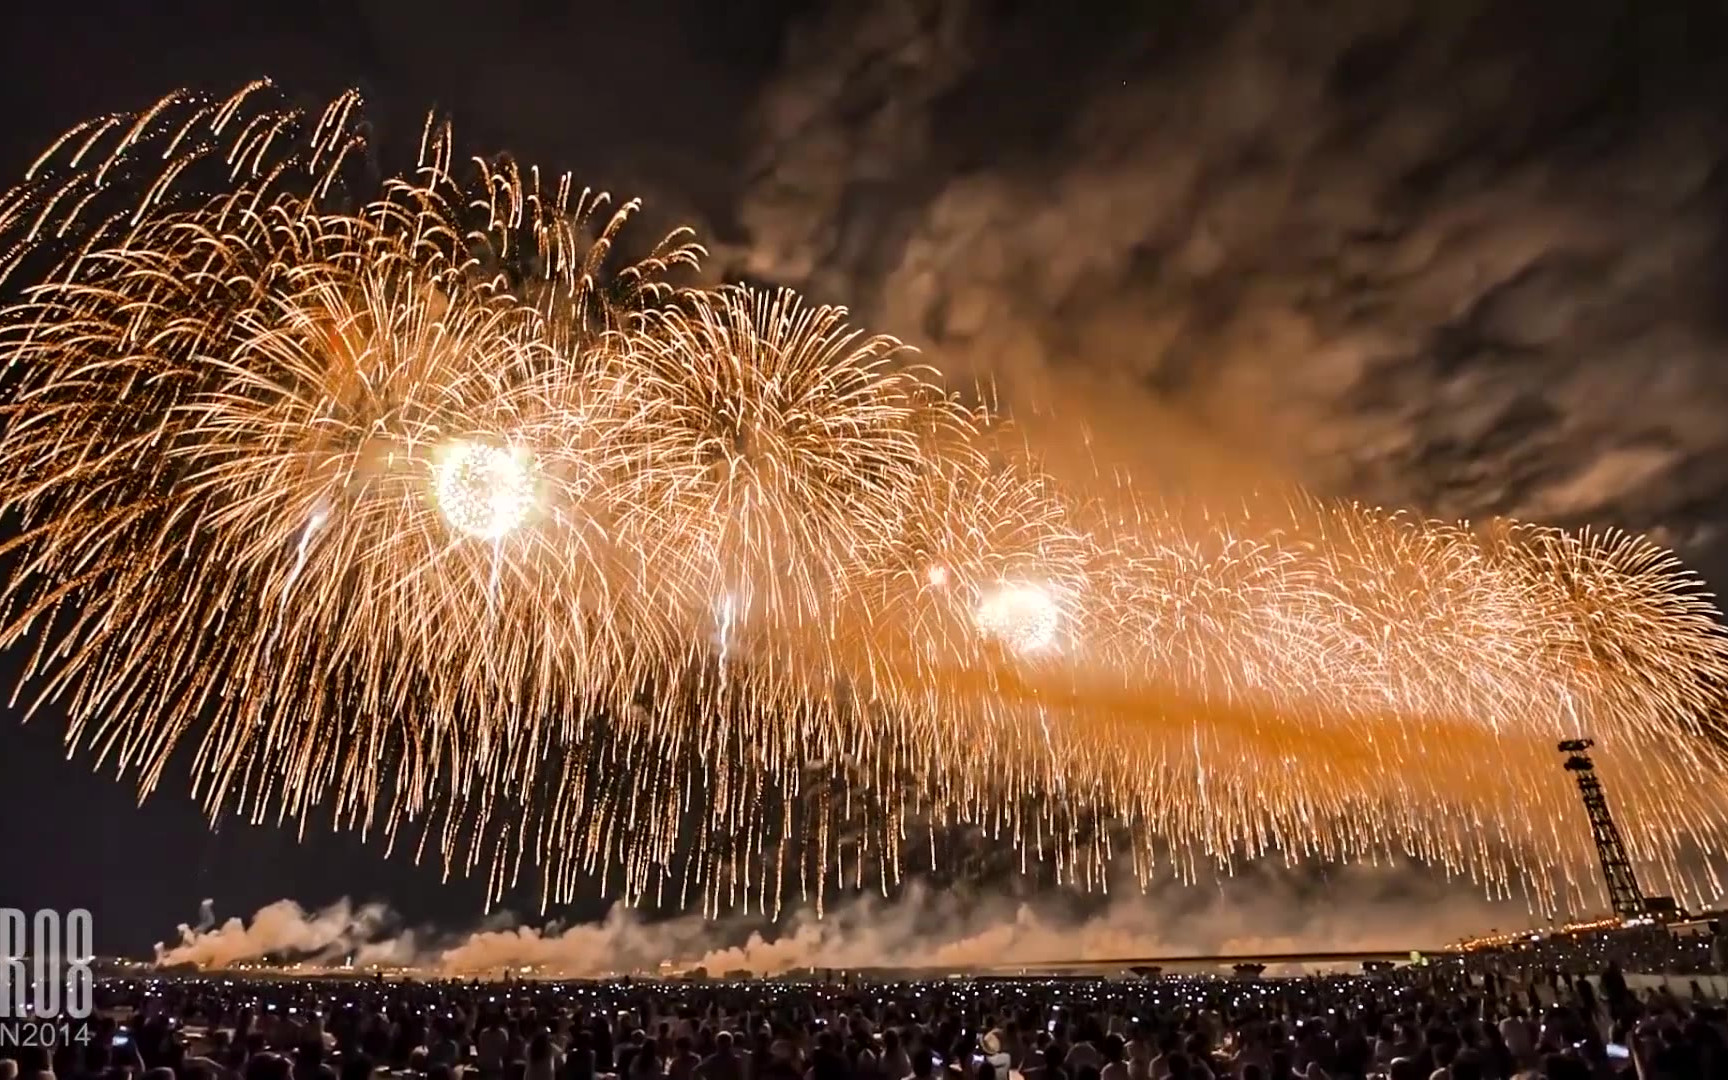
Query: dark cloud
[[1467, 258]]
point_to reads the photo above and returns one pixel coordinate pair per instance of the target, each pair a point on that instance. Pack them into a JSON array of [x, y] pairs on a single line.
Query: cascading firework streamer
[[418, 508]]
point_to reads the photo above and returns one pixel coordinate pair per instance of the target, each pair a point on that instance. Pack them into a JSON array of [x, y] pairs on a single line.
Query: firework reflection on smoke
[[710, 597]]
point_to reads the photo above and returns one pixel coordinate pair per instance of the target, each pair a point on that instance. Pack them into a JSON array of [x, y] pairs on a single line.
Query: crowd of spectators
[[1649, 948], [1439, 1021]]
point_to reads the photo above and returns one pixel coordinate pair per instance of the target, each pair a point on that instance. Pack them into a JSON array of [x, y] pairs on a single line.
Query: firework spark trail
[[416, 510]]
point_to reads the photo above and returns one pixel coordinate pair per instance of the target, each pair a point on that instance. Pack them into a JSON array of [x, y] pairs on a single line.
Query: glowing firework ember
[[484, 491], [1023, 617], [425, 513]]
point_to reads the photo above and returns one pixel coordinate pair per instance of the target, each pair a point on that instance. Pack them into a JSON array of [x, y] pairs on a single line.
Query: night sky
[[1467, 258]]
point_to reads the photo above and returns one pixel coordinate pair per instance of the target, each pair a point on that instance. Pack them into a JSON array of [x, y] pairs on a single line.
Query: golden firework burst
[[416, 504]]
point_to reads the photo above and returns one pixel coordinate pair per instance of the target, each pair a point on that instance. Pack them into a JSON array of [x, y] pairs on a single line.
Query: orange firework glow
[[417, 508]]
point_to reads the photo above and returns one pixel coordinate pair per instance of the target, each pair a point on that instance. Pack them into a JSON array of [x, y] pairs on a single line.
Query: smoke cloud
[[1464, 258], [1265, 911], [284, 928]]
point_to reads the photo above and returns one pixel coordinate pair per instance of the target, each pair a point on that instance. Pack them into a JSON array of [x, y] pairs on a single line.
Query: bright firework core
[[1023, 617], [483, 491]]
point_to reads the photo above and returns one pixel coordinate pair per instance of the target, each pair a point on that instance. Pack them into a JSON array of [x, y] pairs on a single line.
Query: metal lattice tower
[[1623, 891]]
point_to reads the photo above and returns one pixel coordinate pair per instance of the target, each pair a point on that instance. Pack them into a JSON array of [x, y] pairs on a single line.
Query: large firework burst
[[413, 503]]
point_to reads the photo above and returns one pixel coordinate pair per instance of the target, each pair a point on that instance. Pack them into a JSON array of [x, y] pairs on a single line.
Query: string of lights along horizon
[[417, 507]]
